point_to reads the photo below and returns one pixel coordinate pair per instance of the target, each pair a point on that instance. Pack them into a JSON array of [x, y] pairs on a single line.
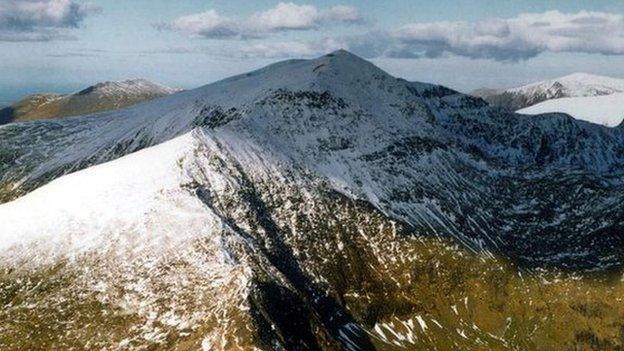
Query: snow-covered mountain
[[607, 110], [573, 85], [96, 98], [312, 204]]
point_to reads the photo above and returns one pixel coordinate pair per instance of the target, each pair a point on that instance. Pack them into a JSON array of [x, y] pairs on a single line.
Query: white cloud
[[40, 20], [511, 39], [286, 16], [342, 14], [281, 18], [209, 24]]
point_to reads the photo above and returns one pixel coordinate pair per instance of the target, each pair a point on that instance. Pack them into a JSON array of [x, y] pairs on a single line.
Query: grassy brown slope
[[384, 274], [46, 106]]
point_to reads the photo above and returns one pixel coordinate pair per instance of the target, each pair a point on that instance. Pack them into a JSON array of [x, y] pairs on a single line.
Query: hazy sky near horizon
[[63, 45]]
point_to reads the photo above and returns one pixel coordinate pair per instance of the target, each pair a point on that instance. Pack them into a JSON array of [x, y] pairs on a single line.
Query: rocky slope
[[99, 97], [573, 85], [313, 204]]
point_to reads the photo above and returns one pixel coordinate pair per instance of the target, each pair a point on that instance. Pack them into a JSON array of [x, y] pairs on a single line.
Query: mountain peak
[[342, 53], [340, 73], [346, 66], [578, 84]]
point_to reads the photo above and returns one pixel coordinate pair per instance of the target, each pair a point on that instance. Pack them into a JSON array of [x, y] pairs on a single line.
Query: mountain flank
[[96, 98]]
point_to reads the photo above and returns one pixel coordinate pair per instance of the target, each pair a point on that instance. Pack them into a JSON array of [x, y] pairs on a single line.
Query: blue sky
[[64, 45]]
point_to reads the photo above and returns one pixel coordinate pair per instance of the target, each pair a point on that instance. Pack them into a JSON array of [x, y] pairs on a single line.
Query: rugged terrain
[[313, 204], [96, 98]]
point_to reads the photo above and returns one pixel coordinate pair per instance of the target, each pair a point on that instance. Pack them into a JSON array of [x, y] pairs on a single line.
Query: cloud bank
[[40, 20], [282, 18], [511, 39], [518, 38], [501, 39]]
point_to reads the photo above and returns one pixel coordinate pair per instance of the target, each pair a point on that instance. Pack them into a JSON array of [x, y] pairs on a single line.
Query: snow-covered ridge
[[129, 87], [592, 98], [96, 199], [573, 85]]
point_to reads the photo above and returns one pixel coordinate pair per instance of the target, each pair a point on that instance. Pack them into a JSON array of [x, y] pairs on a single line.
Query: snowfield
[[606, 110], [98, 200]]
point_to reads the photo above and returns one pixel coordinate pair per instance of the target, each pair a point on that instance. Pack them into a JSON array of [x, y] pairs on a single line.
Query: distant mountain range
[[312, 205], [96, 98], [573, 85], [588, 97]]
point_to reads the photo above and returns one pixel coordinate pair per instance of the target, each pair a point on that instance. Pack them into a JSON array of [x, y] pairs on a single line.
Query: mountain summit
[[96, 98], [309, 205]]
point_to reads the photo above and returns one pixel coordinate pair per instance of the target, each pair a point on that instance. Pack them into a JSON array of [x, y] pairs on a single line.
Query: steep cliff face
[[317, 204]]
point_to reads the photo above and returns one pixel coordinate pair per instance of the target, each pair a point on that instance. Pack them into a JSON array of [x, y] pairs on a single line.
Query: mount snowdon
[[312, 204]]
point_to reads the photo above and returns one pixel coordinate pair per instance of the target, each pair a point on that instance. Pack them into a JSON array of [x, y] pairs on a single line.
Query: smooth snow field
[[607, 110]]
